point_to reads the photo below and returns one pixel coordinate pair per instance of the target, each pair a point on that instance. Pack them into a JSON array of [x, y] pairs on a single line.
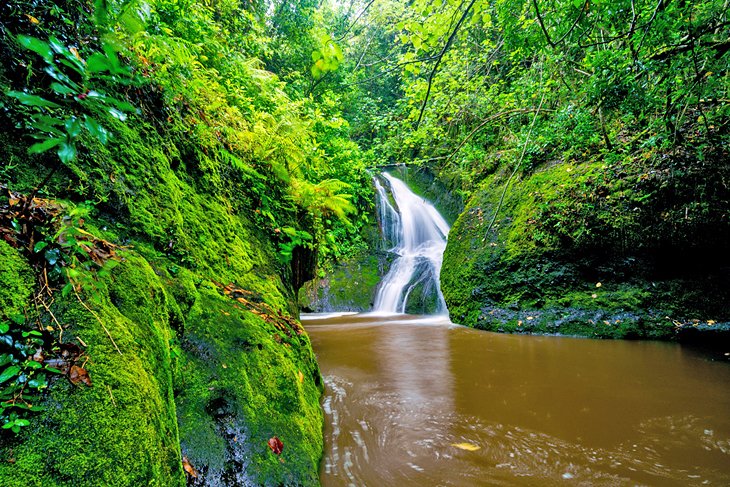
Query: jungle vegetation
[[173, 171]]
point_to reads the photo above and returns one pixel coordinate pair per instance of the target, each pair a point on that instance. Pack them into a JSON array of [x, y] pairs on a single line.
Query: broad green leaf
[[95, 129], [67, 153], [9, 373], [32, 364], [4, 327], [56, 45], [67, 289], [40, 246], [32, 100], [73, 127], [73, 63], [118, 114], [38, 46], [62, 89], [97, 63], [42, 147]]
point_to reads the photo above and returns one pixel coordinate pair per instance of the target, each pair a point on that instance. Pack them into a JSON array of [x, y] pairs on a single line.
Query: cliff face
[[635, 249], [188, 341]]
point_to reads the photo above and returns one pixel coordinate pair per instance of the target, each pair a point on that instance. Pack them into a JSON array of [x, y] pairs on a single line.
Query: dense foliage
[[586, 137]]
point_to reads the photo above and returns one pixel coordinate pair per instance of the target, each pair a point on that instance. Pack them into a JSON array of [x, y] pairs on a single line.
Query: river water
[[417, 401]]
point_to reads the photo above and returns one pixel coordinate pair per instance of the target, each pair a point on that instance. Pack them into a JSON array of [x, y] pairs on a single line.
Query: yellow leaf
[[32, 19], [301, 376], [466, 446], [598, 284]]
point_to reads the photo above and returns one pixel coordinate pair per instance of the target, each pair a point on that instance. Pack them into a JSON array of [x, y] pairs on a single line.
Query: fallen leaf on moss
[[188, 467], [466, 446], [276, 445], [301, 376], [77, 374]]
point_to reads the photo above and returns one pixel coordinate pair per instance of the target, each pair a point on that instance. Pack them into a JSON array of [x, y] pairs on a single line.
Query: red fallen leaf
[[77, 374], [188, 467], [276, 445]]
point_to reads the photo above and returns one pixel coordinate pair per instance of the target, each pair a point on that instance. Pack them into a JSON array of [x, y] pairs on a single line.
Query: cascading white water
[[417, 232]]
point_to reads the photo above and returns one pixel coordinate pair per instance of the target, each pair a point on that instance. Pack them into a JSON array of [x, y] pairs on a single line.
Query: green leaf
[[32, 100], [40, 246], [9, 373], [67, 289], [56, 45], [67, 152], [53, 370], [97, 63], [38, 46], [34, 365], [4, 327], [73, 127], [44, 146], [52, 256], [62, 89], [118, 114], [95, 129]]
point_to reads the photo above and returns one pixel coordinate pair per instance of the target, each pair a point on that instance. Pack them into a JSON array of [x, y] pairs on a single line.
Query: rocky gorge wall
[[622, 250], [194, 357]]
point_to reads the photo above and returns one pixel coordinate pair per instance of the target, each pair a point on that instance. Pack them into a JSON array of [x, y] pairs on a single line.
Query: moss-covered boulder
[[598, 248], [350, 286], [123, 429]]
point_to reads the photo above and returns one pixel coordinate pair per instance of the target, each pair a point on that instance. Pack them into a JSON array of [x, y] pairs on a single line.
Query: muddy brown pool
[[417, 401]]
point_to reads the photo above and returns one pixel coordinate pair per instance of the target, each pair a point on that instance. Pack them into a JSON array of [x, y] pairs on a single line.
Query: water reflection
[[407, 400]]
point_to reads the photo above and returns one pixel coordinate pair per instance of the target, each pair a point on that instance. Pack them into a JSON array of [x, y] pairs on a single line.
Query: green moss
[[350, 286], [571, 250], [17, 281], [121, 431], [244, 382]]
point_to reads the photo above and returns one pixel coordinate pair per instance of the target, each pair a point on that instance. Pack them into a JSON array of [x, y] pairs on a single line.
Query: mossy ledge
[[596, 248]]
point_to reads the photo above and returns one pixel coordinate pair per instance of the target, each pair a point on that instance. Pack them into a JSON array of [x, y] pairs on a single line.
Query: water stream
[[417, 232], [418, 401]]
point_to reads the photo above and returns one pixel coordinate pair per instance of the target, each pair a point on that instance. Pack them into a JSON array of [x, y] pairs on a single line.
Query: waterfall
[[416, 234]]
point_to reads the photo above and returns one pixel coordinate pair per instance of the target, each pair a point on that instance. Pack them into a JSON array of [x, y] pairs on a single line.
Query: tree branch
[[439, 58]]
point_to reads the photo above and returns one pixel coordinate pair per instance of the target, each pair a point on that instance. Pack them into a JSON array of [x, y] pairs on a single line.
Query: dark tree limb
[[439, 58]]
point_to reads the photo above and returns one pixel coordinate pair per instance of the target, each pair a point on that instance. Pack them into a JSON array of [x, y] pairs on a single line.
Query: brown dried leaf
[[188, 467], [77, 374], [276, 445]]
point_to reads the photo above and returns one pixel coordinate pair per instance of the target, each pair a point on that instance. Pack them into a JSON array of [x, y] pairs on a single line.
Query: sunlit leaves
[[326, 59]]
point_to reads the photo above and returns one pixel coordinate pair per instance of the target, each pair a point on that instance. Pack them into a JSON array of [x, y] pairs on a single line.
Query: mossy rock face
[[200, 375], [577, 250], [350, 286], [122, 430]]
